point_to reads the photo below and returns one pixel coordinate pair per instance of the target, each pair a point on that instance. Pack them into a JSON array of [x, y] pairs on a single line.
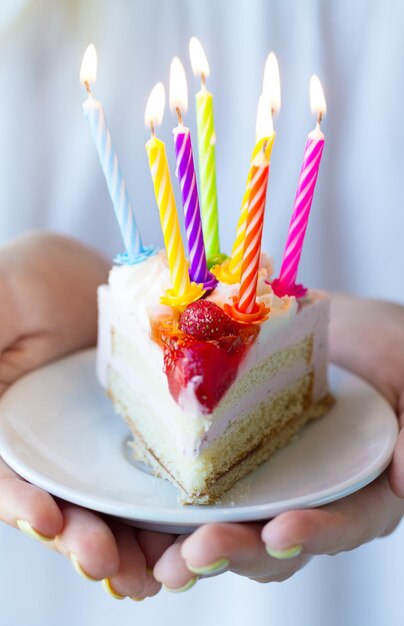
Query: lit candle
[[268, 106], [183, 291], [206, 152], [93, 110], [286, 283], [187, 178]]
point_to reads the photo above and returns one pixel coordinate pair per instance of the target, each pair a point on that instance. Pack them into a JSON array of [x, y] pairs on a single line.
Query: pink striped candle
[[286, 283]]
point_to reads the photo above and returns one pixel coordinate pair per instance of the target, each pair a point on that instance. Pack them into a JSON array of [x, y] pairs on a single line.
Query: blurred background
[[50, 178]]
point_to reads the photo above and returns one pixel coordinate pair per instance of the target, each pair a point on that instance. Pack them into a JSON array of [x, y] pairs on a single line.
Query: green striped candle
[[206, 152]]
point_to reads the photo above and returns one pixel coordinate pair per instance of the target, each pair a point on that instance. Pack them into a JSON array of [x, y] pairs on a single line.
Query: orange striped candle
[[253, 238]]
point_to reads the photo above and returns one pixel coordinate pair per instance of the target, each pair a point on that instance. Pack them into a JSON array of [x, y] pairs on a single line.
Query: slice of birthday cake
[[209, 399]]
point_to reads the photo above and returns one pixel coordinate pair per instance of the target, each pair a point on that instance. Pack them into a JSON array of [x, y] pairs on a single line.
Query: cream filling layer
[[192, 444]]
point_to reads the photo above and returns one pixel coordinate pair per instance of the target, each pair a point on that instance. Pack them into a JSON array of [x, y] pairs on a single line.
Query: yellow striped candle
[[206, 151], [230, 271], [183, 291], [268, 105], [168, 214]]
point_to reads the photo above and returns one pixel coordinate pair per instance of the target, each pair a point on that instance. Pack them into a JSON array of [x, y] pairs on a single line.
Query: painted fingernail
[[189, 584], [217, 567], [290, 553], [27, 529], [106, 583], [137, 599], [76, 564], [149, 571]]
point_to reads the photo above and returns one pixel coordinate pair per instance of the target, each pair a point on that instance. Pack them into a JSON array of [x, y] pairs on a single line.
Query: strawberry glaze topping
[[205, 349]]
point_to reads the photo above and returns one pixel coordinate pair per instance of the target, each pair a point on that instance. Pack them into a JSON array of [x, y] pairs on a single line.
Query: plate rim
[[194, 515]]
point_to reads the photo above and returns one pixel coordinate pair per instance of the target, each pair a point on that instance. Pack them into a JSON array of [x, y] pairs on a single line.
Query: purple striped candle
[[189, 193]]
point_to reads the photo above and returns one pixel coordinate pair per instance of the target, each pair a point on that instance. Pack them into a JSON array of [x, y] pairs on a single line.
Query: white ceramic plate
[[59, 431]]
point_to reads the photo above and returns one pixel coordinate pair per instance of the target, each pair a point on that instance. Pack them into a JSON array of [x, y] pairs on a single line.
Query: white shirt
[[50, 177]]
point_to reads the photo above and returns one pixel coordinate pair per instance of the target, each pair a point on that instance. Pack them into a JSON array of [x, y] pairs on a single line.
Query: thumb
[[337, 527], [26, 354]]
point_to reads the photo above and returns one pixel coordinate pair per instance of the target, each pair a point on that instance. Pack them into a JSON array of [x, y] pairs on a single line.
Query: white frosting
[[139, 289], [104, 351]]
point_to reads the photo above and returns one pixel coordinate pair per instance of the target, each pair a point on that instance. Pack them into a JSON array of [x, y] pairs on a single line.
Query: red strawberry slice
[[205, 320], [207, 366]]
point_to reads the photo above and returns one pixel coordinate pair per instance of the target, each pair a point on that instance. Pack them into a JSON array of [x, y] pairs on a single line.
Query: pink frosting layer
[[312, 319]]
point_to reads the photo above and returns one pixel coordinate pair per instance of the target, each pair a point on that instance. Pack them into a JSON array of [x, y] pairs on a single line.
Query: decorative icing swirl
[[180, 302], [216, 259], [298, 291], [260, 313], [224, 274]]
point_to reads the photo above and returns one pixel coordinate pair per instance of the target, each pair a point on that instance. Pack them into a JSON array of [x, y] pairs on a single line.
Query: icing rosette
[[224, 274], [216, 259], [260, 313], [298, 291], [210, 282], [126, 259], [194, 292]]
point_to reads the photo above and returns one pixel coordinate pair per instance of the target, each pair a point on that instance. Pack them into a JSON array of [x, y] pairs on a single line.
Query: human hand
[[48, 301], [48, 309], [366, 337]]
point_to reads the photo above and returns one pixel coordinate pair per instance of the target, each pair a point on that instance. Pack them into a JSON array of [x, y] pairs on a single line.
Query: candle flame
[[178, 86], [199, 62], [317, 100], [155, 106], [264, 127], [271, 87], [88, 70]]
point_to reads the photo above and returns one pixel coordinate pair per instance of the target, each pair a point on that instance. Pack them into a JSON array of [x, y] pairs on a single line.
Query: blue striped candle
[[94, 112]]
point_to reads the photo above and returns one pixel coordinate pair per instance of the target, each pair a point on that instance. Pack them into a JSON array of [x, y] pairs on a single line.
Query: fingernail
[[149, 571], [290, 553], [214, 568], [27, 529], [106, 583], [189, 584], [137, 599], [76, 564]]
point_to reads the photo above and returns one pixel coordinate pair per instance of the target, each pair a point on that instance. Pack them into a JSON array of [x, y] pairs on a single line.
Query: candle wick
[[264, 147], [319, 118], [152, 129], [179, 115], [88, 88], [203, 80]]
